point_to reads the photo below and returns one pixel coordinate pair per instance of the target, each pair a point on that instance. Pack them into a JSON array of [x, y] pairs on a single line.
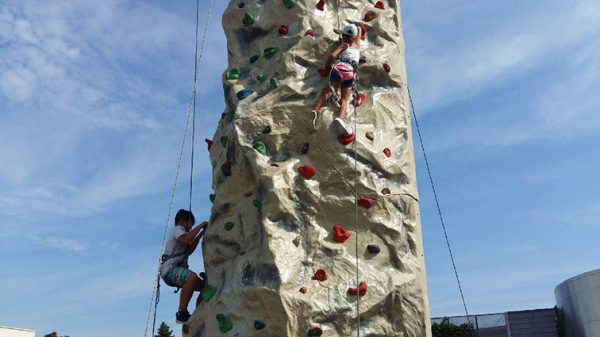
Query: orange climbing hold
[[359, 99], [283, 30], [321, 5], [320, 275], [346, 139], [307, 171], [379, 5], [209, 143], [310, 33], [366, 202], [340, 235], [361, 291], [387, 152]]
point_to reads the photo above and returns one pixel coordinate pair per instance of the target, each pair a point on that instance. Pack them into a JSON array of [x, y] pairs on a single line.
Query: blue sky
[[93, 100]]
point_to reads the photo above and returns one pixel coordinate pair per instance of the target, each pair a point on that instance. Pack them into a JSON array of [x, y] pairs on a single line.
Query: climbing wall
[[281, 248]]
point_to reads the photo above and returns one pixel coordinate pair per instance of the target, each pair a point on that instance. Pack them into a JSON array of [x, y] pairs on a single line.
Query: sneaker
[[342, 126], [182, 316], [315, 117]]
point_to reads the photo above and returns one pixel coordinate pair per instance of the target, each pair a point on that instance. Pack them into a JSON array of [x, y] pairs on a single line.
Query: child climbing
[[342, 76], [181, 243]]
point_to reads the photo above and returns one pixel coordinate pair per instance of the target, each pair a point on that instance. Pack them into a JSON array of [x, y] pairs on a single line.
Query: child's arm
[[196, 241], [334, 55], [187, 238]]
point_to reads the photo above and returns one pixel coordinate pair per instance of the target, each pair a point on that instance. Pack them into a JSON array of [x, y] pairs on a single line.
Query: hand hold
[[248, 20], [244, 93], [258, 325], [321, 5], [359, 99], [261, 77], [315, 332], [387, 67], [224, 323], [387, 152], [346, 139], [209, 143], [208, 292], [270, 52], [370, 135], [361, 291], [310, 33], [241, 5], [340, 235], [258, 205], [386, 191], [373, 249], [273, 84], [226, 168], [365, 202], [363, 33], [307, 171], [370, 16], [379, 4], [267, 129], [254, 58], [283, 30], [296, 241], [320, 275], [223, 140], [303, 290], [324, 72], [232, 74], [229, 226], [212, 197], [289, 4], [260, 147]]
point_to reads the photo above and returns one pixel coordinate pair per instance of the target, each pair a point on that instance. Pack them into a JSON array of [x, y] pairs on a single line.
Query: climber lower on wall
[[343, 63], [181, 243]]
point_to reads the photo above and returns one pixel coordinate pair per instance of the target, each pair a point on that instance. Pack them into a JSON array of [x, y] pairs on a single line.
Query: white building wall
[[16, 332]]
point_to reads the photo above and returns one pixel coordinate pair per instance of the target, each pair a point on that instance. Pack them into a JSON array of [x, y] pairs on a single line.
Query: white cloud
[[61, 243], [18, 83]]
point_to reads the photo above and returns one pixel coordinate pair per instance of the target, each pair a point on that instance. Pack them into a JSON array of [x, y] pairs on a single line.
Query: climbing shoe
[[182, 316], [342, 126]]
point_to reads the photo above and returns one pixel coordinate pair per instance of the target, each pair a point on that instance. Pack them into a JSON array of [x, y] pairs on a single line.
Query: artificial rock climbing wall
[[280, 250]]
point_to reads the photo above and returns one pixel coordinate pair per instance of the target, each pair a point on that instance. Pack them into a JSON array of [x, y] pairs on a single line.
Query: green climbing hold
[[258, 205], [229, 226], [248, 20], [261, 77], [274, 83], [212, 197], [260, 147], [223, 140], [233, 74], [270, 52], [224, 323], [208, 292], [230, 116], [289, 4], [248, 274]]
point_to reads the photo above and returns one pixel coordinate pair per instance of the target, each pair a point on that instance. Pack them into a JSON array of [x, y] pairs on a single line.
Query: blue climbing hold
[[267, 129], [254, 58], [258, 325], [244, 93]]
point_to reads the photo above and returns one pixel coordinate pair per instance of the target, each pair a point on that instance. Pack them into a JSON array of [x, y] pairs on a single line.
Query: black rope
[[194, 103], [439, 210]]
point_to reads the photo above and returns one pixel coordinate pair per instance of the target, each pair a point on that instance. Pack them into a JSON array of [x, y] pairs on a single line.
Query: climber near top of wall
[[342, 76], [181, 243]]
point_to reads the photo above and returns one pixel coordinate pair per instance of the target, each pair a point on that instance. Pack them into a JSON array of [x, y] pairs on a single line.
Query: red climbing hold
[[340, 235], [366, 202], [283, 30], [386, 67], [226, 168], [303, 290], [387, 152], [320, 275], [185, 328], [242, 253], [324, 72], [361, 291], [307, 171], [379, 5], [346, 139], [209, 143], [310, 33], [363, 32], [359, 99], [321, 5]]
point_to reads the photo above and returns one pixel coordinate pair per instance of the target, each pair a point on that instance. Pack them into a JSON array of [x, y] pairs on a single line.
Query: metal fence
[[490, 325]]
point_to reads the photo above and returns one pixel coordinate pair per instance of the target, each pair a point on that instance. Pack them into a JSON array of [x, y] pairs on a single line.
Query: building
[[578, 301], [6, 331]]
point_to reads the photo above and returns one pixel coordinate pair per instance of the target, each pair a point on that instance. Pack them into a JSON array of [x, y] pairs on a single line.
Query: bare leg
[[187, 291], [325, 96], [344, 101]]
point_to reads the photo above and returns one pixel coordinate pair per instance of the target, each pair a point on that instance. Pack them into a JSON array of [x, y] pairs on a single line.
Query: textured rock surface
[[272, 229]]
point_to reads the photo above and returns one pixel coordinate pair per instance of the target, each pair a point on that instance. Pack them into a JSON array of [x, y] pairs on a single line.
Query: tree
[[53, 334], [447, 329], [164, 331]]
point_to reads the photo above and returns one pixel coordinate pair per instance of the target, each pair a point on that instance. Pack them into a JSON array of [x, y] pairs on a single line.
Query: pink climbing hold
[[346, 139], [307, 171], [303, 290], [361, 291], [363, 32], [387, 152], [387, 67], [366, 202], [340, 235], [209, 143], [321, 5], [359, 99], [379, 5], [283, 30], [310, 33], [320, 275]]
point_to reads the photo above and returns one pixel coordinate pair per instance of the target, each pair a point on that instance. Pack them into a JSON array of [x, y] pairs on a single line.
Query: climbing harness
[[191, 115], [439, 210]]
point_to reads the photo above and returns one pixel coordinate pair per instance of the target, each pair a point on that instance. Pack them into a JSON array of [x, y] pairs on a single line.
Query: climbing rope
[[355, 104], [191, 115], [439, 210]]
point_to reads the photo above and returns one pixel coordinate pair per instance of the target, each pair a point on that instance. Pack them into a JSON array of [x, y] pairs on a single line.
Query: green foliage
[[53, 334], [164, 331], [446, 329]]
